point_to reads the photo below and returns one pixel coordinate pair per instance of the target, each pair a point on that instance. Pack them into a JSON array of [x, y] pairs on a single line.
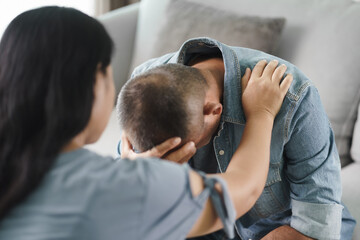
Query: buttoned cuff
[[319, 221]]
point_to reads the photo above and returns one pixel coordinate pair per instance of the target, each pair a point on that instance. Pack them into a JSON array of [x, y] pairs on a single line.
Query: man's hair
[[163, 102]]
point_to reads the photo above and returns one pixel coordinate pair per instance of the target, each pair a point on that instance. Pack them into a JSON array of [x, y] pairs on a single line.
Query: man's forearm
[[285, 233]]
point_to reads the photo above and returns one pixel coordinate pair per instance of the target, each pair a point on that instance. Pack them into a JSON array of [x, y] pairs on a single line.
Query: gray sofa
[[321, 37]]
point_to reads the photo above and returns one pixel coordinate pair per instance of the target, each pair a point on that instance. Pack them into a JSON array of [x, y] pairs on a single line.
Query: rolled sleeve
[[222, 203], [320, 221], [170, 207]]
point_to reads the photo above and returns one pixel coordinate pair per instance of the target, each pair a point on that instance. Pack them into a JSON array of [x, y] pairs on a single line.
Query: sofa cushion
[[355, 146], [184, 20], [321, 37]]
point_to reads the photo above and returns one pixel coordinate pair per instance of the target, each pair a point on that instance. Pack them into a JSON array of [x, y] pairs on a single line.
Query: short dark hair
[[48, 62], [161, 103]]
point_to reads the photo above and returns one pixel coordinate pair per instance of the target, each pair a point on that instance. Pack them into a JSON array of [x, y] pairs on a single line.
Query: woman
[[56, 95]]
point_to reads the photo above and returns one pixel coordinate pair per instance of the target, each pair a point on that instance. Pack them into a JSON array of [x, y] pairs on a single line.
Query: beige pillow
[[184, 20]]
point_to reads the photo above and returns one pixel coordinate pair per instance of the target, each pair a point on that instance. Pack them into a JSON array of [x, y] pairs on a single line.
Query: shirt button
[[221, 152]]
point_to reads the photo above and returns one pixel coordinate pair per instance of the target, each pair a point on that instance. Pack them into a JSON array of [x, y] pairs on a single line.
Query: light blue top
[[303, 188], [86, 197]]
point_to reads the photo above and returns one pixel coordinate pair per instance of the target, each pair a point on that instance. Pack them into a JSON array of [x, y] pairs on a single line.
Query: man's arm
[[314, 175], [285, 233], [313, 170]]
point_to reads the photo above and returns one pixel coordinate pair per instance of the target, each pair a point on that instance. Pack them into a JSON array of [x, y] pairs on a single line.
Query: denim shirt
[[303, 187]]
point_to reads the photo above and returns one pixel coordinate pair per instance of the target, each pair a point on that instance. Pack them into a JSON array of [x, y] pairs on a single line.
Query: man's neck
[[213, 70]]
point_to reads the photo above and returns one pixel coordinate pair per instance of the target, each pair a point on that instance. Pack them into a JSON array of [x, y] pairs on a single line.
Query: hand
[[262, 91], [163, 150], [284, 233]]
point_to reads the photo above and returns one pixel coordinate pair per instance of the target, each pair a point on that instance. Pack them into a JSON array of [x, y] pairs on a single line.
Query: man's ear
[[211, 108]]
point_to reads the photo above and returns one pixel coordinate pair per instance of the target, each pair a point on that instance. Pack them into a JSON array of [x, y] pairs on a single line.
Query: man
[[302, 196]]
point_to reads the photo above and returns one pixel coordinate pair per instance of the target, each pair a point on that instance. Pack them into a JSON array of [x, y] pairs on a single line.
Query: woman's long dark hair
[[48, 61]]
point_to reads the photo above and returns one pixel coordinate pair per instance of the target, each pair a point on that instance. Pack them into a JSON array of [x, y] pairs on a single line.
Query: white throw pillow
[[355, 146]]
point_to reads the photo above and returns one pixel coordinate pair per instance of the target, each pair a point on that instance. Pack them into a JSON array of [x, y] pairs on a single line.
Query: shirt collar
[[233, 111]]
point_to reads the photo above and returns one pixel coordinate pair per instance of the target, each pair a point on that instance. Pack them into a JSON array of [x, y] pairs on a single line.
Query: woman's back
[[86, 196]]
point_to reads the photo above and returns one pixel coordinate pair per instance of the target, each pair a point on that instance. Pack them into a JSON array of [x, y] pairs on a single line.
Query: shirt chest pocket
[[275, 197]]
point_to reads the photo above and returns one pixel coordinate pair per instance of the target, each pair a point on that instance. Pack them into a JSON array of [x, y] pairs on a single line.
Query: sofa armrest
[[121, 25]]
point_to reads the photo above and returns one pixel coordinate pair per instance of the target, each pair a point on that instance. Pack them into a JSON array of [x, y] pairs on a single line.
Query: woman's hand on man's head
[[170, 149]]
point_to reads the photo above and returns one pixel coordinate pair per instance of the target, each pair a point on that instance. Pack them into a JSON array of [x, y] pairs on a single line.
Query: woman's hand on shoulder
[[262, 89]]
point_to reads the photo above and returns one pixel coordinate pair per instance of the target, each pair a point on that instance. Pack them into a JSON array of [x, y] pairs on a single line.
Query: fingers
[[245, 79], [279, 73], [269, 69], [125, 144], [161, 149], [127, 148], [259, 68], [183, 154], [285, 84]]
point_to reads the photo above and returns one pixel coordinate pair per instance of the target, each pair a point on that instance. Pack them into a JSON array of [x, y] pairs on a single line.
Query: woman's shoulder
[[85, 165]]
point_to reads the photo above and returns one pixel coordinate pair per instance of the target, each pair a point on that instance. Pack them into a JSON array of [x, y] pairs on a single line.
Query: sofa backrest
[[321, 37], [355, 145]]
